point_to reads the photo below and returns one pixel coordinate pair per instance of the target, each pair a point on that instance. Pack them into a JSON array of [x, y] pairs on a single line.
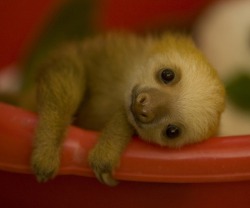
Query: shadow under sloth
[[161, 88]]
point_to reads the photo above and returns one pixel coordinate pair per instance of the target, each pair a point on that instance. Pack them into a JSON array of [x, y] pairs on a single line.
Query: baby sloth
[[162, 89]]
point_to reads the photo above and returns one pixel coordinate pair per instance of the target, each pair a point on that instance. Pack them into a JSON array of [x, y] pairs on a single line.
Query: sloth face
[[176, 99]]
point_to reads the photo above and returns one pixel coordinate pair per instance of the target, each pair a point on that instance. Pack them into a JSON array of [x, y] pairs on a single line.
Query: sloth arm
[[60, 89], [106, 154]]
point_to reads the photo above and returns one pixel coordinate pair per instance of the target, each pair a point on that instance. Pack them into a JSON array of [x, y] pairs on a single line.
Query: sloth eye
[[167, 75], [172, 131]]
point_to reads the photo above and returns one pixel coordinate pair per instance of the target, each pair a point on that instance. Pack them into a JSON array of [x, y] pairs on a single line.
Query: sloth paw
[[45, 163], [103, 166], [105, 177]]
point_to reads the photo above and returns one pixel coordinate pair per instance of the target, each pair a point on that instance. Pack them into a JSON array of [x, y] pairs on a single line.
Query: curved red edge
[[215, 160]]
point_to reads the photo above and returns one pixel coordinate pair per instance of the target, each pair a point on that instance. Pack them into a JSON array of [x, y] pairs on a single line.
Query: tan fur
[[98, 79]]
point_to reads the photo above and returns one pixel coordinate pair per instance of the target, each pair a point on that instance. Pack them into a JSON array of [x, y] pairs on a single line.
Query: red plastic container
[[215, 173]]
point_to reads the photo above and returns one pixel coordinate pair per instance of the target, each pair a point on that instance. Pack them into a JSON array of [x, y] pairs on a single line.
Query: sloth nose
[[142, 108]]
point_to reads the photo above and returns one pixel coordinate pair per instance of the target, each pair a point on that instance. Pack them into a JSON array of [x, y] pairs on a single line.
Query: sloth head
[[176, 97]]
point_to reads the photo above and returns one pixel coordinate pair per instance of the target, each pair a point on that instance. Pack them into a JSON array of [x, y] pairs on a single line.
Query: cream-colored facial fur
[[193, 101]]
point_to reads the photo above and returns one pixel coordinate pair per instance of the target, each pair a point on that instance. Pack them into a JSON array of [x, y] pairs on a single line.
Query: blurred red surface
[[20, 23], [22, 20]]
